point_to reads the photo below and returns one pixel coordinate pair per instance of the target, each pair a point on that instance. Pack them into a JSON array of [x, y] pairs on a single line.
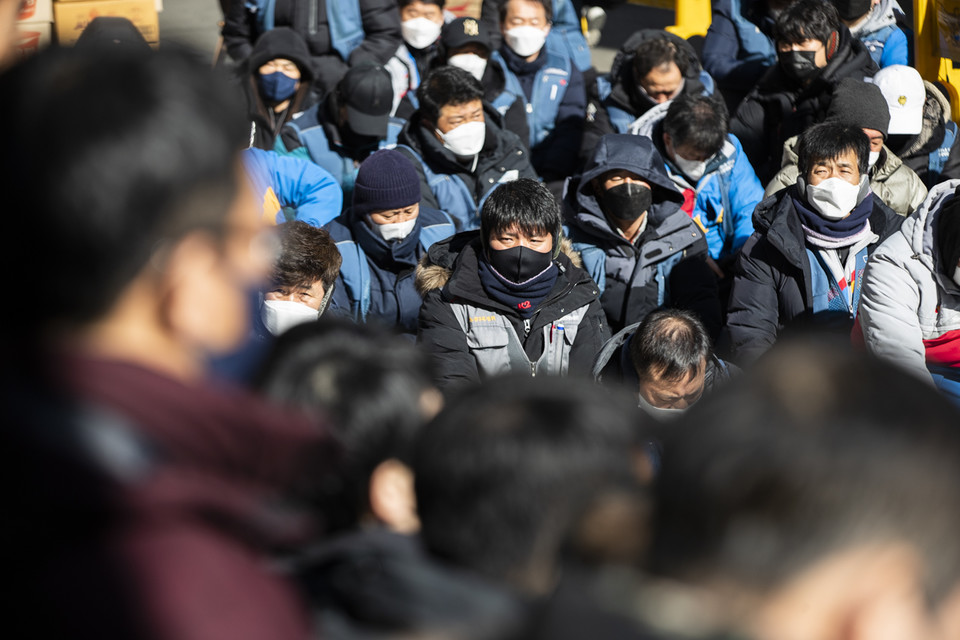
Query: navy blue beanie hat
[[386, 180]]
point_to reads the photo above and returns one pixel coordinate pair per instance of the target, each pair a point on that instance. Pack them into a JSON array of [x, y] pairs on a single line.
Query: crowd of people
[[402, 324]]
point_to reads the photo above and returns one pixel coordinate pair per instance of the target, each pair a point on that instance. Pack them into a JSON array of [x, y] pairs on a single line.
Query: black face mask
[[519, 264], [852, 9], [799, 65], [626, 201]]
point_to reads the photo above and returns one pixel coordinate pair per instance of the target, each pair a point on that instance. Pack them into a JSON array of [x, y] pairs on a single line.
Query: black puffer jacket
[[779, 108], [772, 288]]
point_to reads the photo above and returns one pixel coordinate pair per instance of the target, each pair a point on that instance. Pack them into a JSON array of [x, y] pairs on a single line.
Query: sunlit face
[[284, 66], [539, 241], [311, 296], [471, 47], [453, 115], [615, 178], [393, 216], [876, 139], [680, 394], [418, 9], [525, 13], [844, 166], [685, 151], [820, 59], [663, 83]]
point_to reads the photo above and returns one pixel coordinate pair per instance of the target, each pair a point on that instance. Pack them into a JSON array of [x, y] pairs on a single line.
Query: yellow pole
[[927, 51], [692, 18]]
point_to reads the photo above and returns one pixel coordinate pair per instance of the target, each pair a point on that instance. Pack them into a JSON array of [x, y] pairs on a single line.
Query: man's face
[[394, 216], [617, 177], [453, 115], [524, 13], [876, 139], [686, 151], [418, 9], [820, 51], [310, 296], [540, 242], [284, 66], [844, 166], [679, 394], [663, 83]]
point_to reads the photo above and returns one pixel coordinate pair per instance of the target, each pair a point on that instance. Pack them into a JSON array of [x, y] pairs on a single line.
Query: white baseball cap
[[905, 93]]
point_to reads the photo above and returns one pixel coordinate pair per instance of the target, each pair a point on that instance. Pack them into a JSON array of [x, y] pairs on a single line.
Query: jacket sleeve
[[427, 197], [381, 28], [753, 316], [745, 193], [721, 48], [915, 187], [238, 31], [749, 126], [595, 127], [312, 191], [440, 336], [695, 288], [887, 314], [591, 336], [556, 157], [895, 49]]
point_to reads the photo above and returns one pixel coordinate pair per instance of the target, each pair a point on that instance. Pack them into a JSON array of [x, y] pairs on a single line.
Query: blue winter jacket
[[879, 32], [738, 48], [376, 278], [292, 188]]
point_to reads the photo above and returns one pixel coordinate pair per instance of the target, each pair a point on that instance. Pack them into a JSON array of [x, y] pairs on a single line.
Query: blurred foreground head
[[816, 498], [129, 203]]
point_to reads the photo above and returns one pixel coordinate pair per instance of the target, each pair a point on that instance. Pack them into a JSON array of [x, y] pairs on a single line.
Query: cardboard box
[[35, 11], [464, 8], [31, 37], [71, 18]]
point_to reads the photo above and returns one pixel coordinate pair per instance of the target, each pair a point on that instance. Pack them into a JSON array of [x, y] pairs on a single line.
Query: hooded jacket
[[772, 282], [934, 153], [910, 305], [265, 123], [635, 279], [879, 32], [723, 198], [615, 101], [890, 179], [448, 276], [779, 108], [448, 184]]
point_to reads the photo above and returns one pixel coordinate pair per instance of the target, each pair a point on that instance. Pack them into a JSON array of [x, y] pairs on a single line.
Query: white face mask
[[525, 41], [420, 33], [466, 139], [470, 62], [874, 156], [690, 168], [394, 230], [658, 413], [834, 198], [280, 315]]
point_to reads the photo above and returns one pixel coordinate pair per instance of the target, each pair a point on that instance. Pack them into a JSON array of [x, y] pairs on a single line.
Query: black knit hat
[[386, 180], [859, 104]]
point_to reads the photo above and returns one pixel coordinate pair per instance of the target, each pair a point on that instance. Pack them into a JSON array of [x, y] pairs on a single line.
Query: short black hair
[[401, 4], [830, 140], [547, 8], [524, 203], [658, 51], [669, 345], [112, 156], [505, 468], [366, 384], [948, 234], [807, 20], [701, 121], [816, 450], [307, 254], [446, 86]]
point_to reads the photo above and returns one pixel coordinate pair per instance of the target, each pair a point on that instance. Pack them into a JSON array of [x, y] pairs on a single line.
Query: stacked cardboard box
[[71, 17], [33, 26]]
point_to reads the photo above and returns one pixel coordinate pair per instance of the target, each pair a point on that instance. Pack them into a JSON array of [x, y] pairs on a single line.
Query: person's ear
[[392, 500]]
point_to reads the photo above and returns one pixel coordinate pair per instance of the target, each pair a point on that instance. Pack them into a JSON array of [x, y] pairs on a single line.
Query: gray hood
[[919, 230], [881, 16]]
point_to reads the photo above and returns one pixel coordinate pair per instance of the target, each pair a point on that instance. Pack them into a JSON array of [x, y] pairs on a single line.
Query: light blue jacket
[[292, 188]]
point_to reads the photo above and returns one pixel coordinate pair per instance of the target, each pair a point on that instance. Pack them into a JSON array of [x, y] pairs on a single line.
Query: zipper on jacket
[[526, 327], [313, 18]]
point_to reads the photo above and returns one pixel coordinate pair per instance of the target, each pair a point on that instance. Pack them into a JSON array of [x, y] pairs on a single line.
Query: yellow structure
[[927, 53], [692, 18]]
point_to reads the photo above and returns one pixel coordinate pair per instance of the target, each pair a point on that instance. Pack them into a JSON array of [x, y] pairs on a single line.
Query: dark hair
[[525, 203], [446, 86], [505, 468], [698, 120], [546, 4], [307, 254], [668, 345], [369, 384], [807, 20], [658, 51], [402, 4], [830, 140], [111, 156], [817, 450], [948, 233]]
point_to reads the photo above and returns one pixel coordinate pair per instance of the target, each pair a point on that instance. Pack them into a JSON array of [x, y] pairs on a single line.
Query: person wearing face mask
[[910, 304], [509, 298], [347, 126], [708, 166], [276, 81], [465, 43], [566, 29], [861, 104], [382, 237], [815, 52], [666, 359], [623, 216], [459, 146], [803, 267], [874, 23], [551, 87], [420, 22], [652, 68]]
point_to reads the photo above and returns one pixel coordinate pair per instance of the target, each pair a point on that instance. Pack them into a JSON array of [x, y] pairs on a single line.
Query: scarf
[[835, 234], [526, 297]]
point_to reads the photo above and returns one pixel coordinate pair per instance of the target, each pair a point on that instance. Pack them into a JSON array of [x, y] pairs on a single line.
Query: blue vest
[[594, 261], [549, 87], [345, 22], [566, 34], [938, 157], [874, 42], [827, 295], [452, 194], [754, 42], [355, 271]]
